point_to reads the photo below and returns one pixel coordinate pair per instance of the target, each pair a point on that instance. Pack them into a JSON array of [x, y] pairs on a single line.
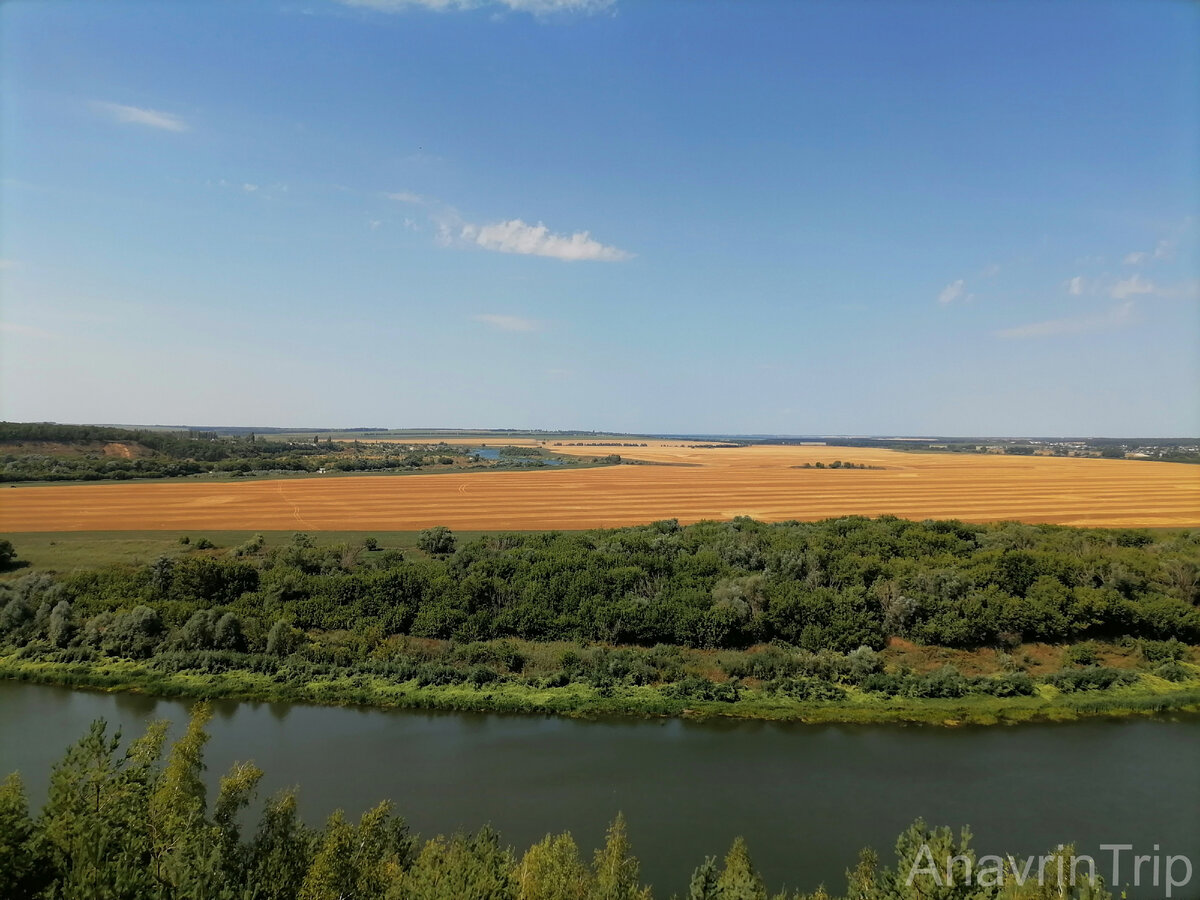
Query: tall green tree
[[615, 868], [553, 870]]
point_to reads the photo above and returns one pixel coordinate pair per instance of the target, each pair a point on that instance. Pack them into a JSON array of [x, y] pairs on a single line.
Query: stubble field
[[687, 483]]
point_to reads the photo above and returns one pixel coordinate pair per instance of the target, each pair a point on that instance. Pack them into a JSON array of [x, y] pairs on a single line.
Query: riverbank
[[1148, 696]]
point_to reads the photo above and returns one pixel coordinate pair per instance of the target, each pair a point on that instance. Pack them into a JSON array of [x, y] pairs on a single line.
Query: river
[[805, 797]]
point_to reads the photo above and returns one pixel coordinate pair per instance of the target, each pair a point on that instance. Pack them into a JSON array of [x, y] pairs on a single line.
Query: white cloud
[[534, 7], [1164, 250], [510, 236], [955, 290], [7, 264], [1115, 318], [991, 270], [1133, 259], [1075, 286], [406, 197], [249, 188], [516, 236], [133, 115], [1131, 287], [508, 323]]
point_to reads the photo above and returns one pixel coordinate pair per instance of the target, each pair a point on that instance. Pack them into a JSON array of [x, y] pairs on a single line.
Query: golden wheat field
[[689, 484]]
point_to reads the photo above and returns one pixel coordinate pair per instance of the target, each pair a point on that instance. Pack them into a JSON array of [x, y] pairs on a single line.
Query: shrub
[[881, 683], [438, 540], [807, 689], [478, 676], [946, 683], [1163, 651], [1173, 670], [1094, 678], [1015, 684], [1084, 654], [694, 687], [436, 673]]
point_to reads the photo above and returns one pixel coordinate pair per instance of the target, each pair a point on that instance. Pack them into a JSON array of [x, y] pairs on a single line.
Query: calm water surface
[[805, 797]]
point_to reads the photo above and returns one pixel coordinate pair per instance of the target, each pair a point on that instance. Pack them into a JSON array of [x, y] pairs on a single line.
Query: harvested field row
[[712, 484]]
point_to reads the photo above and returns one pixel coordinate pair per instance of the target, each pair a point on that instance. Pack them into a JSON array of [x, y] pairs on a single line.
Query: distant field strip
[[756, 481]]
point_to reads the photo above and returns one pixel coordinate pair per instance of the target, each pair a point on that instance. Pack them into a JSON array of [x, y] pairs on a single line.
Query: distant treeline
[[195, 445], [167, 454]]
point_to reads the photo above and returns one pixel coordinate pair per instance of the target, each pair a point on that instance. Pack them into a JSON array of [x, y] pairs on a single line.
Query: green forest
[[33, 452], [657, 619], [132, 821]]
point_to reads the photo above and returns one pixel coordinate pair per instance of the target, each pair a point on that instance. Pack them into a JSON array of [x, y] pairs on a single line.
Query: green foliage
[[799, 613], [1084, 654], [1092, 678], [738, 879], [703, 885], [360, 860], [1173, 670], [135, 633], [553, 870], [829, 586], [615, 869], [81, 454], [23, 871], [1163, 651], [438, 540]]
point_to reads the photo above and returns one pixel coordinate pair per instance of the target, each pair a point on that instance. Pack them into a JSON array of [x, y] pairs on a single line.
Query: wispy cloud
[[134, 115], [1116, 317], [406, 197], [516, 236], [1130, 287], [991, 270], [1164, 249], [1076, 285], [8, 264], [955, 290], [534, 7], [508, 323]]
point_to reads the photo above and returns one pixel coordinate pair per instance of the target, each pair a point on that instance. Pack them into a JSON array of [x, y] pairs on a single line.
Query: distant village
[[1166, 451]]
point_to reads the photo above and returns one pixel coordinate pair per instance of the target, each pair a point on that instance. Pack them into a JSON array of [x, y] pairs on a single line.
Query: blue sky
[[753, 217]]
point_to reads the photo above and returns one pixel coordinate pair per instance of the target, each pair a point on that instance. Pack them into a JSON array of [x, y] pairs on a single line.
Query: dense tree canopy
[[813, 601], [833, 585]]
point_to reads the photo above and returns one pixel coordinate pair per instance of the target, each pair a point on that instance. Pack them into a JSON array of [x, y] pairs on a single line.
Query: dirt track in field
[[698, 484]]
